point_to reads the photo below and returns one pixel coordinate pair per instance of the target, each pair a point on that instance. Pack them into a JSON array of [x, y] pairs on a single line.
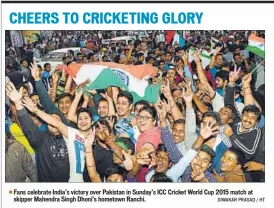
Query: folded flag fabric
[[256, 45], [178, 39], [126, 77]]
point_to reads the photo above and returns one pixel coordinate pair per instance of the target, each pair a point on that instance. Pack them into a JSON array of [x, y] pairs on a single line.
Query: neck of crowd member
[[125, 116], [85, 133]]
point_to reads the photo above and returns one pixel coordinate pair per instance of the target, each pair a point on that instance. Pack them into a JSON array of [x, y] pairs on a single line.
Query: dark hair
[[116, 169], [151, 110], [180, 106], [21, 62], [161, 148], [127, 142], [209, 105], [215, 115], [207, 149], [46, 64], [224, 75], [63, 95], [252, 109], [160, 178], [117, 58], [71, 52], [33, 94], [179, 121], [140, 54], [141, 102], [239, 154], [234, 112], [79, 54], [127, 95], [136, 43], [103, 100], [178, 49], [83, 110], [104, 56], [235, 54], [161, 61], [177, 58], [149, 58], [168, 53]]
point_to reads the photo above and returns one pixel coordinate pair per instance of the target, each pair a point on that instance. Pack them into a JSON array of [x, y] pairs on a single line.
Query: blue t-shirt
[[123, 126]]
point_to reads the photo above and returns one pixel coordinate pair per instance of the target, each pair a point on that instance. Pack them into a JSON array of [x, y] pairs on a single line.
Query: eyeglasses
[[145, 118]]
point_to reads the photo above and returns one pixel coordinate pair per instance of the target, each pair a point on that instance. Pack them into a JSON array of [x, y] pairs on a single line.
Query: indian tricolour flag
[[205, 58], [128, 77], [256, 45]]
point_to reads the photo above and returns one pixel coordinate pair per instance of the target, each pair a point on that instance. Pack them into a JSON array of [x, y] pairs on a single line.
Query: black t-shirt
[[16, 77], [103, 160]]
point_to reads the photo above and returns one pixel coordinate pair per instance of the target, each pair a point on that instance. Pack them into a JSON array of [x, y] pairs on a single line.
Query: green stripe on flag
[[108, 78], [151, 94], [255, 50]]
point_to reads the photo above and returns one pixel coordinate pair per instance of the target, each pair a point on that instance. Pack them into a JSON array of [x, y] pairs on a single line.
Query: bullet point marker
[[10, 192]]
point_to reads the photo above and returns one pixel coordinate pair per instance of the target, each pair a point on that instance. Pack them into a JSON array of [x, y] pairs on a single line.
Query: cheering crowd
[[207, 125]]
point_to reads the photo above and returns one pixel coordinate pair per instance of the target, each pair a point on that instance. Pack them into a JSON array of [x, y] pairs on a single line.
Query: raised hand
[[207, 130], [180, 71], [111, 120], [254, 166], [228, 130], [185, 58], [35, 71], [154, 160], [55, 77], [234, 75], [27, 102], [187, 95], [196, 55], [82, 85], [90, 138], [143, 157], [165, 89], [217, 50], [105, 95], [246, 80], [12, 93], [128, 162], [79, 92], [162, 109], [102, 133]]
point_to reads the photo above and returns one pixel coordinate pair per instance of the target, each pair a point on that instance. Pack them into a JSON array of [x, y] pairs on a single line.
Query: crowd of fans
[[207, 125]]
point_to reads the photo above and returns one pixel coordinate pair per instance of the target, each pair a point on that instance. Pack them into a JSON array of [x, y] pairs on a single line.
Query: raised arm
[[41, 90], [111, 110], [246, 62], [177, 170], [175, 111], [92, 172], [73, 108], [229, 94], [167, 138], [68, 84], [212, 61], [31, 131], [200, 71], [248, 96], [53, 90], [49, 119]]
